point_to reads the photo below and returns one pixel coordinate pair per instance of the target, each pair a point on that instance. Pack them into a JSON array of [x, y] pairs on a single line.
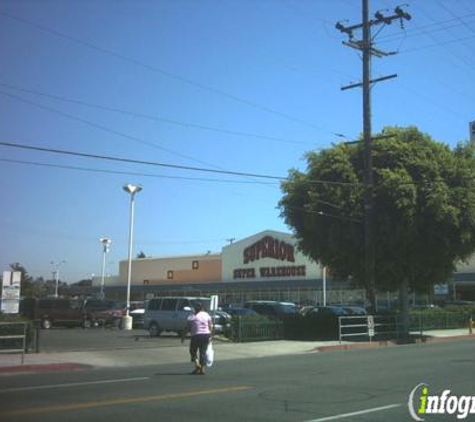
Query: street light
[[132, 190], [56, 275], [105, 243]]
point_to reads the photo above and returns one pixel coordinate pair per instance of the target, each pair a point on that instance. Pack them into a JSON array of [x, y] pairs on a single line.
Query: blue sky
[[247, 85]]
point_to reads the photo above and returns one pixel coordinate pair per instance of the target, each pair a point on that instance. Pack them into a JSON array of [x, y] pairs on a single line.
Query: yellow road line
[[112, 402]]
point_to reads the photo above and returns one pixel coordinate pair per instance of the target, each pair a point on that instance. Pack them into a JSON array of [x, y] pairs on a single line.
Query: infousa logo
[[421, 403]]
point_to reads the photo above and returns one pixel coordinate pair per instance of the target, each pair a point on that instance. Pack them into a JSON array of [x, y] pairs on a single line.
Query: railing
[[390, 326], [256, 329], [13, 338], [368, 326]]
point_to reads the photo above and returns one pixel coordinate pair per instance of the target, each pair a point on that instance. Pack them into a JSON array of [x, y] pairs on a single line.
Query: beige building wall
[[168, 271]]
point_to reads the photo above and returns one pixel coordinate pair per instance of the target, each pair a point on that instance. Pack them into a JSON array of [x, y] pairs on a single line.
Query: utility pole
[[366, 47]]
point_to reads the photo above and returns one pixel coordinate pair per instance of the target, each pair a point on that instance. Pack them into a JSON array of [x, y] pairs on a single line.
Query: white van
[[170, 313]]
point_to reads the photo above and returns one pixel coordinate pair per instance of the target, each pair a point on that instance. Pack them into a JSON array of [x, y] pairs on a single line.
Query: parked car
[[104, 312], [60, 312], [355, 310], [170, 313], [327, 312], [137, 315], [272, 309], [243, 312], [221, 322], [324, 321]]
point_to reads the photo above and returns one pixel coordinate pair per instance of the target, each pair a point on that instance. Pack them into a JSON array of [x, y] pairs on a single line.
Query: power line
[[103, 128], [157, 164], [150, 117], [130, 173], [155, 69], [421, 30]]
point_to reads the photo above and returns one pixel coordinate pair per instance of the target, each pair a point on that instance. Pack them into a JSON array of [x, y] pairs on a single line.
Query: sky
[[246, 86]]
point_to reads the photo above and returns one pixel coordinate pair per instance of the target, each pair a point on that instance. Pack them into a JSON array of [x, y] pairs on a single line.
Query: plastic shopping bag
[[209, 355]]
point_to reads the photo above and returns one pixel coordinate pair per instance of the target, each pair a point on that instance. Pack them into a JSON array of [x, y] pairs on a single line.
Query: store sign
[[11, 292], [441, 289], [269, 247]]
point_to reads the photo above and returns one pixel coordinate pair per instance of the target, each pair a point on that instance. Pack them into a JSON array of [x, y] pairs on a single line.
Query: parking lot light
[[106, 244], [132, 190]]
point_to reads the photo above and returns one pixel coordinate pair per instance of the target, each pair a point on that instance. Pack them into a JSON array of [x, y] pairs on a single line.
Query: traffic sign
[[371, 325]]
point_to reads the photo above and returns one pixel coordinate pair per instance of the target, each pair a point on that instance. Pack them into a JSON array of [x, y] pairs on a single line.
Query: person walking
[[200, 326]]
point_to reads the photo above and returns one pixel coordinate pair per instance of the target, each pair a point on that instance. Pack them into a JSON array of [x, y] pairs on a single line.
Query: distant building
[[268, 260]]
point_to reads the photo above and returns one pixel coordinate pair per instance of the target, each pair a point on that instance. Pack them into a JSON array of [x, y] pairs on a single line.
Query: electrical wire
[[130, 173], [150, 117], [155, 69], [157, 164]]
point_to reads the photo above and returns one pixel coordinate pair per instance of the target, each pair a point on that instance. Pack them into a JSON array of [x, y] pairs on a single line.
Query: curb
[[391, 343], [443, 339], [47, 367]]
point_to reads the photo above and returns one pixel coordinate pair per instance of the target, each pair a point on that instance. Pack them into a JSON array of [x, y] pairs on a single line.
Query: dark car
[[221, 322], [242, 312], [355, 310], [272, 309], [60, 312], [326, 312], [104, 312], [325, 321]]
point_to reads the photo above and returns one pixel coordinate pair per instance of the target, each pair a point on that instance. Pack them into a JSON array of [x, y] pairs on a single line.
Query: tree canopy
[[424, 196]]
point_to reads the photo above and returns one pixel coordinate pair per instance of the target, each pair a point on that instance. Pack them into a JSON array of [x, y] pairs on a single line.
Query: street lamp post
[[132, 190], [56, 275], [106, 244]]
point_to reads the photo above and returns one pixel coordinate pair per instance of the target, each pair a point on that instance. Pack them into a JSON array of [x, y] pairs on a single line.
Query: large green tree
[[424, 195]]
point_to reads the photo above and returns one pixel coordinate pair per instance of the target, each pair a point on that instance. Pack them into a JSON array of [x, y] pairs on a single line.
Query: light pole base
[[126, 322]]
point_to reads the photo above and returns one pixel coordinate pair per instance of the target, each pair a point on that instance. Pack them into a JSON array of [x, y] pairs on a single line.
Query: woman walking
[[200, 325]]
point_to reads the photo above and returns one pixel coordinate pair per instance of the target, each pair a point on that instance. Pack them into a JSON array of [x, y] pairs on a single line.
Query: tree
[[424, 209], [87, 282], [141, 255]]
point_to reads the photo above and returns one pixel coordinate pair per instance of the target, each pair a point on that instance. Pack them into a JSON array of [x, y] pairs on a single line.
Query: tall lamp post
[[132, 190], [106, 244], [56, 266]]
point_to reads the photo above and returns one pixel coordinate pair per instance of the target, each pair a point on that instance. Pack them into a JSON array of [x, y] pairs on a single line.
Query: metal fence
[[368, 327], [256, 329], [13, 338], [390, 326]]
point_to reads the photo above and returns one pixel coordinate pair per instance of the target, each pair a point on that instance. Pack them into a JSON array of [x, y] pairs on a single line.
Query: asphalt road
[[359, 385]]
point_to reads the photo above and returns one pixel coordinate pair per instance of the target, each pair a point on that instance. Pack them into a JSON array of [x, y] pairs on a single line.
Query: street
[[357, 385]]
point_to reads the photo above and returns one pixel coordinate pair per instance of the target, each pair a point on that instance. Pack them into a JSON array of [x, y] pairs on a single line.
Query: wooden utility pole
[[366, 47]]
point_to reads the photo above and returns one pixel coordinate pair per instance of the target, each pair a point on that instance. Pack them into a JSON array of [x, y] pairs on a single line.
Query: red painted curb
[[50, 367]]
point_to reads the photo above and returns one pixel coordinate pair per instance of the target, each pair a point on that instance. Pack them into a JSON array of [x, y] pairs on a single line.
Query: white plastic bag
[[209, 355]]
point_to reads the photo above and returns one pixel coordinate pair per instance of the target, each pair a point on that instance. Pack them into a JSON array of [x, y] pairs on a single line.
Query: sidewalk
[[178, 354], [160, 355]]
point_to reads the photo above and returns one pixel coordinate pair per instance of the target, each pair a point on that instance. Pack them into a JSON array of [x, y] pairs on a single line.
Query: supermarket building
[[267, 265]]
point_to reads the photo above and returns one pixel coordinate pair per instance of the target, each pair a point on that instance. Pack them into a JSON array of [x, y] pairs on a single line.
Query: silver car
[[170, 313]]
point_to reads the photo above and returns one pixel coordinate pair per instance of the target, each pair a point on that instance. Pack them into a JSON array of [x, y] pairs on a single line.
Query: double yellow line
[[129, 400]]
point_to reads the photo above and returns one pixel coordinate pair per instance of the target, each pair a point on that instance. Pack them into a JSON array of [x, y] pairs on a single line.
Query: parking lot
[[79, 339]]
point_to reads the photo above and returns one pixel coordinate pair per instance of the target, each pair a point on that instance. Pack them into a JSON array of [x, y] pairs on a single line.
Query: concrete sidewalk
[[178, 354], [161, 355]]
